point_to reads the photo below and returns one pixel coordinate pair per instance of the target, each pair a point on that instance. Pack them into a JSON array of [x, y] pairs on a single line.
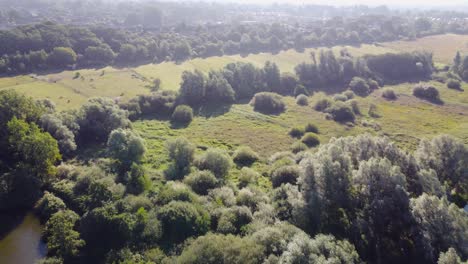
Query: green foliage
[[311, 128], [181, 151], [302, 100], [216, 161], [285, 174], [48, 205], [221, 249], [61, 237], [61, 57], [298, 146], [138, 182], [245, 156], [449, 257], [310, 139], [268, 103], [426, 92], [296, 132], [182, 220], [56, 128], [175, 191], [341, 112], [322, 104], [183, 114], [126, 146], [98, 117], [454, 84], [32, 148], [247, 176], [373, 111], [389, 94], [359, 86], [201, 182], [232, 220]]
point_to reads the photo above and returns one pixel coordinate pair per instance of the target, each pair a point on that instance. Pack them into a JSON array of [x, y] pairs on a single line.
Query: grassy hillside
[[405, 120]]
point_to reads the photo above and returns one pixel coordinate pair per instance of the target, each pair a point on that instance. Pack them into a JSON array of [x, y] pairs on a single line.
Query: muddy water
[[23, 245]]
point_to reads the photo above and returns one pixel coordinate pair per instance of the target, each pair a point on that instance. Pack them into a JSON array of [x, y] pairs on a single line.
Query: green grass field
[[69, 92], [405, 120]]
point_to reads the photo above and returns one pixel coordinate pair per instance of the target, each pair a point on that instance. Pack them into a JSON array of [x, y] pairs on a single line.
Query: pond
[[23, 245]]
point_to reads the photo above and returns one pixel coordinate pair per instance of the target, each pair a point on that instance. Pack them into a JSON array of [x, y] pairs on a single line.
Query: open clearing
[[69, 92]]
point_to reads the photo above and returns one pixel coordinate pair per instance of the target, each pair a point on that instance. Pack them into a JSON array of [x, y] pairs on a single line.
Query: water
[[23, 245]]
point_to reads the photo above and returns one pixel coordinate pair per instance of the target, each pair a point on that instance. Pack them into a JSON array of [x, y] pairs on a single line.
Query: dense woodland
[[359, 199], [146, 35], [350, 200]]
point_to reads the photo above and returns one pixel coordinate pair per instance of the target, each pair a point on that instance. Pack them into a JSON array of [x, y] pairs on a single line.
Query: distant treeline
[[50, 46]]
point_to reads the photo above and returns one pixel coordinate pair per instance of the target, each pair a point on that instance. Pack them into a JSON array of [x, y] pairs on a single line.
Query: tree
[[221, 249], [192, 88], [359, 86], [34, 149], [216, 161], [183, 114], [272, 77], [66, 139], [62, 239], [102, 55], [321, 249], [201, 181], [449, 257], [181, 151], [443, 224], [268, 103], [181, 220], [61, 57], [126, 147], [218, 89], [98, 117]]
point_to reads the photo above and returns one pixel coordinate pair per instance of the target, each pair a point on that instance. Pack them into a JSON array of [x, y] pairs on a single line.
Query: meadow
[[405, 120], [69, 91]]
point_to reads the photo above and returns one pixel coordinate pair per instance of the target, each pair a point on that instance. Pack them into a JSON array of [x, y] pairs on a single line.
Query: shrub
[[300, 89], [389, 94], [182, 114], [48, 205], [359, 86], [310, 139], [340, 97], [322, 104], [302, 100], [175, 191], [247, 176], [349, 94], [216, 161], [296, 132], [298, 146], [311, 128], [181, 151], [266, 102], [373, 111], [341, 112], [354, 106], [426, 92], [201, 181], [454, 84], [285, 174], [245, 156], [373, 85]]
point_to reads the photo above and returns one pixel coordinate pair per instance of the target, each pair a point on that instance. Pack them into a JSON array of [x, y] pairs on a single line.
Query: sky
[[412, 3]]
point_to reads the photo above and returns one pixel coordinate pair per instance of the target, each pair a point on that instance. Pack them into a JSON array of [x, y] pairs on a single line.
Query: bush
[[426, 92], [245, 156], [298, 146], [216, 161], [373, 85], [373, 111], [300, 89], [247, 176], [181, 151], [201, 182], [341, 112], [389, 94], [454, 84], [340, 97], [359, 86], [311, 128], [310, 139], [285, 174], [322, 104], [349, 94], [183, 114], [354, 106], [302, 100], [296, 132], [266, 102]]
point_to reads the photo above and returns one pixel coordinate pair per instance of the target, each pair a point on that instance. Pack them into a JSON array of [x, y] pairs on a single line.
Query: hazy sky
[[421, 3]]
